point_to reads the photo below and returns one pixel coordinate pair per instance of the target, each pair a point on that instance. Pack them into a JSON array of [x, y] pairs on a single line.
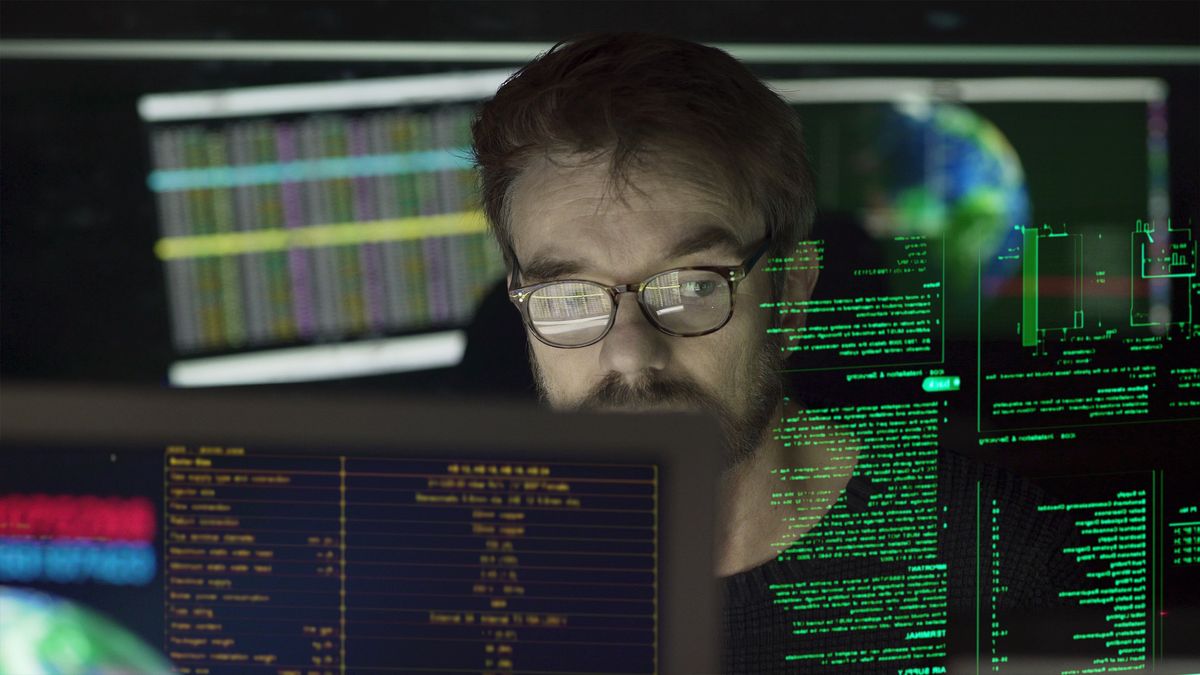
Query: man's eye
[[699, 289]]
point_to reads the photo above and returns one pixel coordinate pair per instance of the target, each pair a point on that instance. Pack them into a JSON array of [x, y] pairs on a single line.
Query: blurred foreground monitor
[[302, 535]]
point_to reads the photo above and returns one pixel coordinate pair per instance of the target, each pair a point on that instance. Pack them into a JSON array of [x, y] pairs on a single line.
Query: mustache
[[651, 390]]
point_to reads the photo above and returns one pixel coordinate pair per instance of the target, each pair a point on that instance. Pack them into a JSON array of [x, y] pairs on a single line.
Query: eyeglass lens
[[686, 302]]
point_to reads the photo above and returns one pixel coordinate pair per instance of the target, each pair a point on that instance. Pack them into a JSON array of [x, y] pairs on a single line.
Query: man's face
[[569, 222]]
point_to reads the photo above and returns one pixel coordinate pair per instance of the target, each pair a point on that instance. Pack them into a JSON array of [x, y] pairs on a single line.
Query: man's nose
[[633, 345]]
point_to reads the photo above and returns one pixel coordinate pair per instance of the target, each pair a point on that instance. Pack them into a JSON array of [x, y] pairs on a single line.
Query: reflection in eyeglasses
[[551, 327]]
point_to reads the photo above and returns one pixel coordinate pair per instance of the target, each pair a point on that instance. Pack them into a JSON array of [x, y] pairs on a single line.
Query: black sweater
[[875, 609]]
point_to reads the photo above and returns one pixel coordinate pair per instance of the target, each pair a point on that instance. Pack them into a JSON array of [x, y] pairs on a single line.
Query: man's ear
[[798, 288]]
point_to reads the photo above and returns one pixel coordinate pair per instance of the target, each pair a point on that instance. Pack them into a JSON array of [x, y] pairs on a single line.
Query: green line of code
[[900, 611], [1114, 547], [884, 312]]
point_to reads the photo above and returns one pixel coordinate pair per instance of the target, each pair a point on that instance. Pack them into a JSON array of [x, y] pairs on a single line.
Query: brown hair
[[623, 95]]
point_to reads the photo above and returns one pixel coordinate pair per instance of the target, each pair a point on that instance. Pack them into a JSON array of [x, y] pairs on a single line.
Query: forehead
[[566, 206]]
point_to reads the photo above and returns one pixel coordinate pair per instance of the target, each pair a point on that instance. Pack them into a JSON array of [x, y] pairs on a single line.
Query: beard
[[742, 430]]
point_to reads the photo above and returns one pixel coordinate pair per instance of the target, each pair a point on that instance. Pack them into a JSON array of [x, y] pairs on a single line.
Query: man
[[618, 179], [640, 187]]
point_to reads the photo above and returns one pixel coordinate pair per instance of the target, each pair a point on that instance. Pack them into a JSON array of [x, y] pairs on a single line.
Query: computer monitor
[[1000, 278], [317, 231], [301, 535], [926, 187]]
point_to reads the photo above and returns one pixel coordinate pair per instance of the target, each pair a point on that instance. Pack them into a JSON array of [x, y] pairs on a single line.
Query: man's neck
[[754, 523]]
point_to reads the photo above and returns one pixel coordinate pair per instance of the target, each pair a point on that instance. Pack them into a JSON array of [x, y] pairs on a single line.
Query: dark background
[[81, 296], [1129, 23]]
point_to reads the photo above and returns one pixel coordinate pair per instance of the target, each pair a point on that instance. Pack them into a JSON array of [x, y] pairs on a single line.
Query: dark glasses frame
[[733, 276]]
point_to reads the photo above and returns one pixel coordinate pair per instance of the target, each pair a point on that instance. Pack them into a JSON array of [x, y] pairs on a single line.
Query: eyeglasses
[[682, 302]]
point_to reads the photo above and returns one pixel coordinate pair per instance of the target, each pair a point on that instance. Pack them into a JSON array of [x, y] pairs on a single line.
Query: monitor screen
[[295, 555], [309, 215], [991, 282]]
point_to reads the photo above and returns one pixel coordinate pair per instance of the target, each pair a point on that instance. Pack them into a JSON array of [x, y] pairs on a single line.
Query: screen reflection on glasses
[[682, 302]]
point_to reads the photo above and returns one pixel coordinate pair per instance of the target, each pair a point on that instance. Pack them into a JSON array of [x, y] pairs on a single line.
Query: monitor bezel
[[684, 447]]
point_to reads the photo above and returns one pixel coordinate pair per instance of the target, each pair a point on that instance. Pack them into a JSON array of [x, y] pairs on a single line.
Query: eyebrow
[[707, 238], [542, 268]]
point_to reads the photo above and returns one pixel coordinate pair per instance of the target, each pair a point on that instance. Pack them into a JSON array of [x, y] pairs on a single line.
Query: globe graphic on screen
[[951, 171], [42, 633]]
